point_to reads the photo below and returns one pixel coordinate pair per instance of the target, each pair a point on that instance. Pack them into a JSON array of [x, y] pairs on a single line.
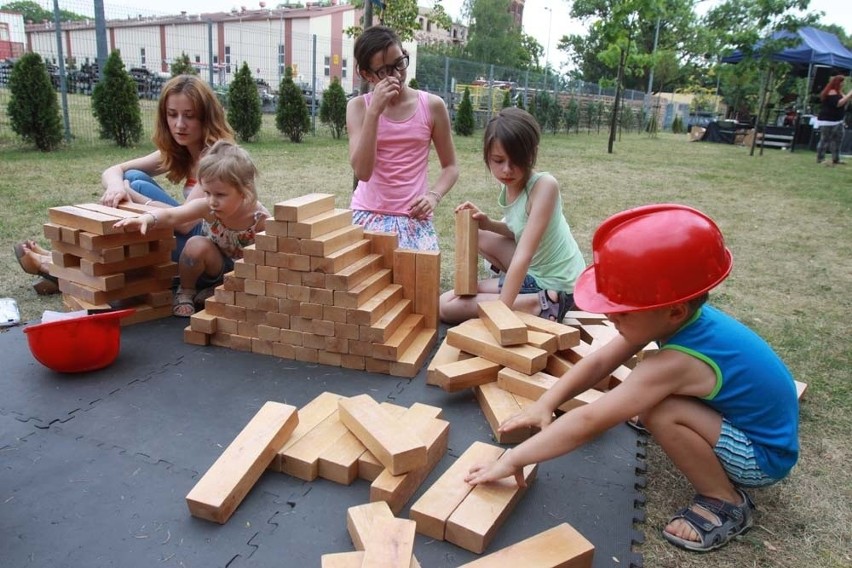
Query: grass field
[[786, 220]]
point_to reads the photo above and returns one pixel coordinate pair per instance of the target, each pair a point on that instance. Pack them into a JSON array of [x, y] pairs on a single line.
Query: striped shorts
[[736, 453]]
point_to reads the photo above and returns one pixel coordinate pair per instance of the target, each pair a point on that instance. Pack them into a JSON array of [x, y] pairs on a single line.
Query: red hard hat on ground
[[651, 257]]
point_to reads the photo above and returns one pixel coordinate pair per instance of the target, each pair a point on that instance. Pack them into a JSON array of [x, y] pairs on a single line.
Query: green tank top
[[558, 261]]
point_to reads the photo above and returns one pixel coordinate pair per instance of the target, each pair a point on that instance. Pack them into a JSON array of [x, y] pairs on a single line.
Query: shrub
[[333, 108], [33, 109], [115, 104], [507, 99], [464, 116], [291, 116], [182, 66], [572, 116], [414, 84], [244, 109]]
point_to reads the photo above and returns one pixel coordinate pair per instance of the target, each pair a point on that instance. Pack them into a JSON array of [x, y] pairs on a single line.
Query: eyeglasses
[[400, 65]]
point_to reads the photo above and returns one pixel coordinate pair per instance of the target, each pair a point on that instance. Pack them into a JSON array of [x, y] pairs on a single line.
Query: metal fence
[[268, 41]]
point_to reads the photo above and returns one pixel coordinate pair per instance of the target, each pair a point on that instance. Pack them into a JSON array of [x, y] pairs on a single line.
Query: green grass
[[786, 220]]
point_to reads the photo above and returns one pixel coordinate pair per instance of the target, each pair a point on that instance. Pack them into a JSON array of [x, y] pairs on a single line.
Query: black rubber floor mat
[[95, 467]]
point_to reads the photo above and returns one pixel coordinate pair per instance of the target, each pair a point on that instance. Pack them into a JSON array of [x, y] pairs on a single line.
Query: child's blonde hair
[[228, 163]]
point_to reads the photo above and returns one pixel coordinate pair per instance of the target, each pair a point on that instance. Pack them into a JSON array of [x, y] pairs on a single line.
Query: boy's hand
[[484, 473], [532, 416]]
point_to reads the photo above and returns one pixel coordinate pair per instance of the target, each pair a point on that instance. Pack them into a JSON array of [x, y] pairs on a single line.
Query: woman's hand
[[485, 473], [112, 197], [423, 206]]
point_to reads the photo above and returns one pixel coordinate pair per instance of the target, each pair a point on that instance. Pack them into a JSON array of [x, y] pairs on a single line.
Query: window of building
[[227, 59], [282, 65], [343, 66], [4, 31], [142, 56], [327, 65]]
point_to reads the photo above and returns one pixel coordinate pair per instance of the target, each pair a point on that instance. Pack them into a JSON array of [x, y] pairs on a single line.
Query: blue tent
[[815, 48]]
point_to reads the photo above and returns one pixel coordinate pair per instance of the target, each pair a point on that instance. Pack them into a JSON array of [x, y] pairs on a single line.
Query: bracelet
[[436, 194], [154, 220]]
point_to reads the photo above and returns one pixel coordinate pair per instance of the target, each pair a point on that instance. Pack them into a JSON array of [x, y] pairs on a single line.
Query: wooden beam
[[499, 405], [466, 254], [460, 375], [534, 386], [506, 327], [300, 208], [473, 337], [559, 547], [390, 544], [310, 416]]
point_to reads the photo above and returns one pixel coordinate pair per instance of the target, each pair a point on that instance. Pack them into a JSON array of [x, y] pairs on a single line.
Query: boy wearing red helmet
[[716, 397]]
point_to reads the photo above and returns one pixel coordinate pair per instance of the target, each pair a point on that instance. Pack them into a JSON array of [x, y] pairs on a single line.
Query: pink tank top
[[400, 171]]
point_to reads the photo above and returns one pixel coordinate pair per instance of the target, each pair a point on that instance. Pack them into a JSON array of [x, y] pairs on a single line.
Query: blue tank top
[[754, 389]]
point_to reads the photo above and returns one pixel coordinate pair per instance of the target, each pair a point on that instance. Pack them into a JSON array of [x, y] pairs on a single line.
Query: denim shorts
[[205, 281], [736, 453], [528, 286]]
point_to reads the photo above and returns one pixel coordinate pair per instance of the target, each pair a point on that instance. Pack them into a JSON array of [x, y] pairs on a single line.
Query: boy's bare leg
[[688, 430]]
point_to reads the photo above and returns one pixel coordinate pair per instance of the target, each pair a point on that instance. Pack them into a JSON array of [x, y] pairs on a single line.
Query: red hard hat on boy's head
[[650, 257]]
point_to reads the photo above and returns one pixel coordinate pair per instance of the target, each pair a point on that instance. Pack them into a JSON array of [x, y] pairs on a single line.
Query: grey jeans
[[830, 137]]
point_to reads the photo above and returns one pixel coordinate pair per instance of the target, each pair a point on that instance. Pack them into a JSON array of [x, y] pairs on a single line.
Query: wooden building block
[[203, 322], [413, 359], [386, 324], [476, 520], [369, 467], [557, 365], [585, 318], [356, 272], [374, 308], [320, 224], [359, 294], [354, 559], [300, 208], [542, 340], [77, 218], [390, 544], [466, 280], [559, 547], [324, 245], [129, 290], [301, 459], [405, 272], [310, 416], [396, 490], [360, 520], [533, 386], [218, 493], [393, 443], [473, 337], [340, 259], [398, 342], [105, 283], [499, 405], [432, 510], [95, 269], [192, 337], [446, 353], [383, 244], [113, 254], [428, 281], [460, 375], [506, 327]]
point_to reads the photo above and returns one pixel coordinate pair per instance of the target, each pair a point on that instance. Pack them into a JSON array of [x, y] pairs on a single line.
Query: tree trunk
[[614, 119]]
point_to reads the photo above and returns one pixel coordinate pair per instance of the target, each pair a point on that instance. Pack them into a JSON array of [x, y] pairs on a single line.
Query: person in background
[[391, 131], [715, 397], [230, 217], [532, 246], [830, 119], [189, 120]]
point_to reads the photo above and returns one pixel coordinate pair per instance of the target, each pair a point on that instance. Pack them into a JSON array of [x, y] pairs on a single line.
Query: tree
[[291, 117], [244, 108], [464, 115], [507, 99], [400, 16], [495, 38], [572, 116], [34, 13], [414, 84], [115, 104], [182, 66], [33, 109], [333, 108]]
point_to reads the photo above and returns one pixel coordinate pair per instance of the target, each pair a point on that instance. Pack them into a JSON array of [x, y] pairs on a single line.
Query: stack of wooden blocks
[[100, 267], [316, 288]]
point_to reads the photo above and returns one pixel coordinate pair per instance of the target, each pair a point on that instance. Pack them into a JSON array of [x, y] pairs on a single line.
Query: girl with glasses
[[391, 131]]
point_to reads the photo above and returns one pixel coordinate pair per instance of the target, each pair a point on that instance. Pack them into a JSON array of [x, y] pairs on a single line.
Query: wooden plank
[[300, 208], [342, 560], [113, 254], [390, 544], [432, 510], [533, 386], [360, 520], [446, 353], [383, 244], [476, 520], [566, 336], [328, 243], [501, 321], [129, 290], [301, 460], [473, 337], [557, 365], [310, 416], [396, 490], [338, 260], [428, 281], [362, 292], [460, 375], [374, 308], [369, 468], [413, 359], [499, 405], [97, 269], [405, 272], [320, 224], [393, 443], [356, 272], [466, 281], [400, 340], [542, 340], [92, 241], [218, 493], [559, 547], [77, 218]]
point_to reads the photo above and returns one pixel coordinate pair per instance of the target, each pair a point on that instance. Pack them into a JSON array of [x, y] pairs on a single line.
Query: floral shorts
[[417, 234]]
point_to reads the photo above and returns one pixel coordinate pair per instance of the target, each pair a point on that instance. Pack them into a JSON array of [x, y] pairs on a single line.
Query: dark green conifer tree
[[291, 117], [244, 108], [464, 123], [115, 104], [33, 109], [333, 108]]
